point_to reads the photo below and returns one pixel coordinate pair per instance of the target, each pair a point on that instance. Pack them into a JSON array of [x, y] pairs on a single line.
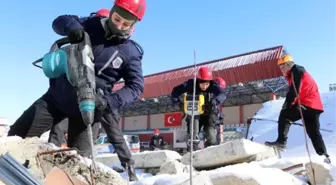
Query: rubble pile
[[25, 151], [228, 165], [321, 174]]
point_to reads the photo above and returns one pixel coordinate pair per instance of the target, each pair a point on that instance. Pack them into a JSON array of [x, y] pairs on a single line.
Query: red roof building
[[247, 67], [251, 78]]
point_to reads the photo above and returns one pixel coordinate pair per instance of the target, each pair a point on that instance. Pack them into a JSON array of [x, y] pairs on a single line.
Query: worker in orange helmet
[[157, 141], [214, 96], [300, 83]]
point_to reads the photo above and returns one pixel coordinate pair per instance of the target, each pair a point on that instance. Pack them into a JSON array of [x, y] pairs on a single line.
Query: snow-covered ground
[[267, 172]]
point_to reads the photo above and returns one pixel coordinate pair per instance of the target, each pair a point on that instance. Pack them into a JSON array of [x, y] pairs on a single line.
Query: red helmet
[[135, 7], [221, 82], [103, 12], [204, 73], [156, 131]]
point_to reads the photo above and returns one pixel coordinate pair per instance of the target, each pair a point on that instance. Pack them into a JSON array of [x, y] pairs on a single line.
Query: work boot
[[280, 145], [131, 172]]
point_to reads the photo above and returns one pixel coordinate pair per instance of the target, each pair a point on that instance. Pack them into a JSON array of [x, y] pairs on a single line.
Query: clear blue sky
[[169, 33]]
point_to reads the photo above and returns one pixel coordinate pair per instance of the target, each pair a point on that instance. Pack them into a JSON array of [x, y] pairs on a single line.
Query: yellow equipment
[[188, 104]]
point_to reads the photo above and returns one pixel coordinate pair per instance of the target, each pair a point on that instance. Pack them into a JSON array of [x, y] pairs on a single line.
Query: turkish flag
[[173, 119]]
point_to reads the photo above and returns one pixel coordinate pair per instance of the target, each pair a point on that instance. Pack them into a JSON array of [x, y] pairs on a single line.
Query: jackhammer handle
[[59, 43], [55, 46], [86, 40]]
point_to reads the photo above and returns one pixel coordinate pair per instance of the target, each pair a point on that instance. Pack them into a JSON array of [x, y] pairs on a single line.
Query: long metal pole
[[192, 121]]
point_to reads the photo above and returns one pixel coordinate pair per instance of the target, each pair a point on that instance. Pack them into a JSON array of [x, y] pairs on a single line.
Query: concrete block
[[147, 159], [248, 174], [322, 173], [174, 167], [232, 152]]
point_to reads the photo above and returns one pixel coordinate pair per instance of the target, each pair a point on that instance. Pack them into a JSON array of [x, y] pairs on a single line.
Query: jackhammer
[[75, 61], [198, 110]]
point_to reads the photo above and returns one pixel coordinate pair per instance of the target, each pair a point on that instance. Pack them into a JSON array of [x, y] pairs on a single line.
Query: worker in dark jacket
[[220, 121], [115, 57], [157, 141], [300, 83], [57, 131], [214, 96]]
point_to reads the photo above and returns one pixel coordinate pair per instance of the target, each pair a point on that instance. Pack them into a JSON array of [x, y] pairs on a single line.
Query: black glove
[[75, 36]]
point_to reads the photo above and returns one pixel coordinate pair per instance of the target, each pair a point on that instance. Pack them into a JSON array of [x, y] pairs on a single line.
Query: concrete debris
[[169, 165], [232, 152], [78, 167], [147, 159], [321, 172], [23, 151], [174, 167], [72, 163]]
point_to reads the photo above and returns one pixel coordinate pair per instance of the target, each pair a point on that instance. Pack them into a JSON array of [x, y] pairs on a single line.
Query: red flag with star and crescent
[[173, 119]]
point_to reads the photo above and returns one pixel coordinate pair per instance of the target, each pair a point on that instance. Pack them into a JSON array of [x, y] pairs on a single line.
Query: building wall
[[232, 115], [156, 121], [135, 123], [250, 110]]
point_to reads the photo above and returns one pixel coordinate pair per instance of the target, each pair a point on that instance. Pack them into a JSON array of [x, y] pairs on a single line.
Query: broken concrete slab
[[174, 167], [24, 150], [232, 152], [147, 159], [321, 173], [250, 174], [79, 167]]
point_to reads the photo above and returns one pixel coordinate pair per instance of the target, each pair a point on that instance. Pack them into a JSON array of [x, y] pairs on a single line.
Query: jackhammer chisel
[[75, 61]]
